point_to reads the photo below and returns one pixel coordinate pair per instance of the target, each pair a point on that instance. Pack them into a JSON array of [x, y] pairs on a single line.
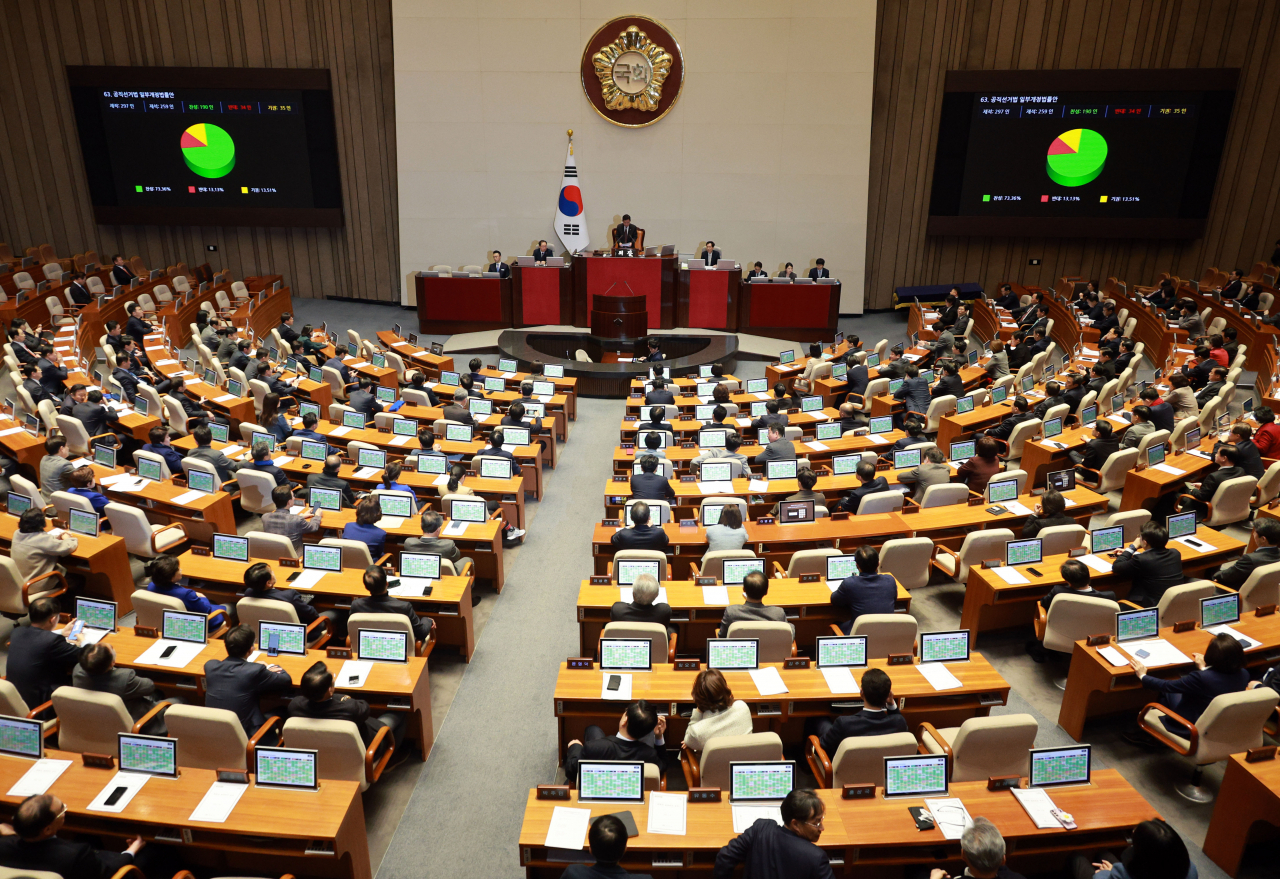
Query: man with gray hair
[[262, 463], [459, 410], [982, 849], [641, 608]]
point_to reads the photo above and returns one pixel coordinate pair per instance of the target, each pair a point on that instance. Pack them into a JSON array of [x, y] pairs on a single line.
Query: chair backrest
[[665, 468], [11, 701], [1231, 501], [1262, 587], [24, 873], [395, 622], [624, 555], [860, 759], [64, 500], [944, 495], [1183, 602], [162, 293], [938, 407], [1112, 475], [130, 523], [25, 486], [338, 741], [654, 633], [152, 456], [978, 545], [1074, 617], [89, 720], [987, 746], [880, 502], [720, 751], [210, 738], [150, 607], [11, 583], [334, 378], [255, 490], [1060, 539], [239, 290], [270, 546], [1231, 724], [887, 633], [738, 502], [775, 638], [77, 437], [251, 611], [248, 429], [1059, 411], [175, 414], [712, 564], [810, 561], [875, 388], [1021, 433], [95, 285], [907, 559], [189, 464], [355, 553]]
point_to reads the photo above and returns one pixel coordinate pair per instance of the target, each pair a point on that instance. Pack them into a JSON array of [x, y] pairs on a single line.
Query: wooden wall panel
[[919, 40], [43, 195]]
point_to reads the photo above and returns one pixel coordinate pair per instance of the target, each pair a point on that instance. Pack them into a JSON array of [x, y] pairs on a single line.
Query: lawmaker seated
[[648, 484], [866, 592], [632, 741], [1150, 565], [641, 535], [1220, 669], [642, 608], [755, 586], [715, 711], [878, 716]]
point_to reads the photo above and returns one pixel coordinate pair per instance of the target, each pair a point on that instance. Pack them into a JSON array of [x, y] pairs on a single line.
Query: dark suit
[[137, 328], [1198, 375], [388, 604], [1232, 290], [786, 274], [122, 275], [1162, 416], [1097, 450], [336, 363], [40, 661], [874, 593], [659, 395], [338, 707], [757, 273], [710, 257], [21, 352], [1234, 575], [80, 294], [542, 255], [1191, 694], [288, 333], [1064, 589], [816, 273], [364, 401], [640, 537], [770, 851], [503, 270], [778, 450], [265, 466], [1019, 356], [610, 748], [948, 384], [1105, 324], [238, 686], [67, 859], [1005, 428], [128, 382], [454, 412], [1211, 482], [651, 487], [1207, 393], [1073, 396], [914, 395], [95, 417], [858, 380], [1250, 458], [1152, 572], [36, 390], [240, 360], [660, 613], [306, 613], [1037, 523], [52, 376], [1039, 409], [624, 235], [849, 503], [1009, 302], [860, 723], [322, 480]]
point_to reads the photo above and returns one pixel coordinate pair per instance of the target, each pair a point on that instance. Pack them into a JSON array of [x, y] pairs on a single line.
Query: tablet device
[[19, 503], [20, 737], [781, 469], [922, 775], [1023, 552], [847, 651], [551, 370], [150, 755], [904, 458], [150, 469], [325, 498], [424, 565], [628, 570], [736, 570], [105, 456], [757, 385], [712, 439], [448, 377], [842, 465], [383, 645], [611, 781], [371, 458], [384, 395], [1062, 480], [881, 424], [810, 404], [321, 558], [965, 404], [715, 471], [291, 768], [428, 463], [458, 433], [495, 468], [761, 782], [1217, 610], [231, 547], [1000, 394], [276, 638], [314, 451], [1134, 625], [1052, 428], [945, 646], [179, 625], [829, 431], [96, 613], [963, 450], [220, 433], [468, 510], [792, 512], [1155, 454], [839, 567], [353, 419], [1106, 539], [494, 383], [1052, 767], [201, 480], [1181, 524], [1002, 491], [625, 654], [736, 654], [479, 407], [787, 356], [394, 503]]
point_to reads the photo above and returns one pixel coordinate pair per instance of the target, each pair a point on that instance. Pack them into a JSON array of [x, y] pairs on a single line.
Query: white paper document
[[131, 483], [768, 681], [950, 815], [216, 805], [937, 674], [354, 673], [840, 681], [366, 472], [1113, 656], [667, 812], [1159, 652], [183, 652], [622, 694], [187, 497], [390, 523], [625, 595], [1011, 576], [1098, 563], [282, 460], [1248, 643], [1194, 544], [715, 487], [1167, 469], [717, 595], [307, 580], [225, 398], [411, 587], [1016, 508], [877, 439], [340, 431], [132, 782], [817, 446], [1117, 419], [758, 485], [763, 396], [400, 440], [454, 529], [568, 828], [1038, 806], [39, 778], [745, 816]]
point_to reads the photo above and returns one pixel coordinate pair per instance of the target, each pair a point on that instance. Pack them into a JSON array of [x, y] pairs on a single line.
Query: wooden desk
[[462, 304], [991, 603], [687, 427], [624, 459], [1249, 797], [422, 359], [1144, 488], [201, 517], [873, 837], [448, 605], [577, 702], [1095, 687], [24, 447], [564, 385], [103, 561], [269, 831]]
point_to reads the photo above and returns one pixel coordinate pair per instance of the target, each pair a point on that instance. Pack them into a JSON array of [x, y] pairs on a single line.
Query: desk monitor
[[757, 385], [1003, 491], [201, 480], [716, 471], [733, 653], [315, 374], [429, 463], [872, 361], [259, 436], [658, 515], [220, 433], [659, 372], [424, 565], [787, 356], [610, 781], [762, 436], [495, 468], [457, 433], [479, 407], [842, 465], [629, 569], [781, 469], [705, 371], [965, 404], [1219, 609], [139, 403], [810, 404], [1106, 539], [18, 503], [845, 651], [314, 451], [150, 755], [96, 613], [761, 782], [353, 419], [1052, 428], [395, 504], [353, 350], [291, 768], [544, 389], [182, 626], [736, 570], [928, 375], [494, 384], [894, 384], [791, 512], [105, 456], [1089, 416], [1028, 384], [704, 413], [326, 498], [468, 510], [235, 388], [963, 450], [839, 567], [919, 776], [1132, 625], [149, 468], [385, 395], [881, 424], [712, 439], [710, 514], [515, 436], [1181, 525], [211, 377], [704, 389], [371, 458], [945, 646], [231, 547], [972, 357], [830, 430], [904, 458], [383, 645], [1192, 439], [1117, 402], [1000, 394], [625, 654], [1062, 480], [1023, 552], [448, 377], [839, 371], [507, 364], [1155, 454], [321, 558], [20, 737], [1051, 767], [276, 638]]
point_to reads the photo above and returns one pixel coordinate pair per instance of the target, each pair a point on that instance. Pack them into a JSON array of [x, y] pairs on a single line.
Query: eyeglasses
[[818, 824]]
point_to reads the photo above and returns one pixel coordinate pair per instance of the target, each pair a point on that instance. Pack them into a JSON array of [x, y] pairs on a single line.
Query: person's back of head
[[867, 558], [261, 451], [1267, 530], [165, 570], [1104, 429], [986, 448], [316, 682], [807, 479], [607, 839], [652, 441], [1224, 654], [33, 815], [432, 522], [1052, 503], [648, 463], [239, 641], [640, 512], [282, 497], [732, 442], [866, 471], [657, 414], [982, 848], [1074, 574], [42, 610], [1230, 454], [331, 465], [496, 439], [1155, 535], [1053, 389], [719, 414], [801, 805], [771, 407], [935, 456], [31, 521], [644, 590], [1142, 413], [257, 576], [97, 658], [876, 687], [375, 580], [641, 719], [1158, 852], [755, 586], [1020, 405]]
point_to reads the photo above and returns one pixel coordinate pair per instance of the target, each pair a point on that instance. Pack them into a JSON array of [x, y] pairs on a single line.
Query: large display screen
[[1097, 153], [208, 146]]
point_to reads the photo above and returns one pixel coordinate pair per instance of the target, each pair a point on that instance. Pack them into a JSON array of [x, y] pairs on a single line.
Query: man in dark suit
[[1198, 369], [542, 253], [32, 843], [1126, 355], [1097, 450], [870, 485], [262, 462], [237, 685], [1075, 391], [710, 254], [961, 323], [457, 410], [53, 375], [135, 326], [363, 399], [625, 234], [819, 270], [1040, 341], [286, 330], [378, 601], [1021, 412], [642, 607], [635, 724], [32, 382], [1228, 461], [328, 478], [778, 449], [770, 850], [878, 716], [914, 393], [858, 378], [79, 290], [240, 357], [1250, 459], [260, 582], [95, 417], [1235, 285], [335, 362], [757, 271], [641, 535], [867, 591], [1108, 320], [1152, 571], [20, 343], [319, 702], [1217, 378], [607, 840], [1019, 351], [503, 270], [648, 484], [1266, 534], [1075, 577], [1050, 512], [655, 354], [893, 366], [121, 273], [1161, 411], [98, 672], [40, 656], [657, 421], [1008, 299], [771, 416], [659, 394], [949, 383]]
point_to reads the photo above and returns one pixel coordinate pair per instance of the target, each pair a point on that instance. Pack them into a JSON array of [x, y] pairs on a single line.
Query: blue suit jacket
[[238, 686], [872, 594]]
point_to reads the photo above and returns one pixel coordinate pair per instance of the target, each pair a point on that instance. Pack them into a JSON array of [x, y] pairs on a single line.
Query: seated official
[[263, 463], [715, 711], [949, 383], [1220, 669], [335, 362], [771, 416], [292, 525], [1249, 459], [997, 366], [418, 382], [732, 442], [819, 270], [36, 551], [1150, 565], [871, 483], [458, 410], [867, 591], [607, 840], [1098, 449], [308, 432], [31, 375], [1156, 850], [755, 586], [879, 715], [273, 419], [913, 394], [473, 389], [1212, 386], [328, 478], [159, 444], [260, 582], [977, 471], [893, 366], [1191, 320], [55, 468], [97, 671], [363, 399], [1019, 351], [318, 701], [391, 482], [728, 533], [542, 253], [710, 253], [1050, 512], [432, 542], [659, 393], [1161, 412], [365, 528], [1198, 367], [648, 484], [1228, 461], [97, 418], [982, 849], [258, 365], [1140, 425], [1003, 430], [286, 330], [654, 354], [204, 451], [1266, 537], [1181, 398], [657, 421], [239, 685], [32, 843], [778, 449], [1052, 397], [634, 726], [40, 656], [166, 580], [932, 470], [1075, 581], [787, 850], [136, 326], [788, 271], [757, 271], [913, 427], [641, 608], [84, 484], [653, 446], [641, 535], [807, 479]]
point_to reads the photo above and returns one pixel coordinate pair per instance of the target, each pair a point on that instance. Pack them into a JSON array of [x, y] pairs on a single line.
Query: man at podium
[[542, 254], [625, 235], [710, 255]]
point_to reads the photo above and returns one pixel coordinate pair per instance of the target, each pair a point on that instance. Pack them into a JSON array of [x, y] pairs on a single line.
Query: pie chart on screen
[[208, 150], [1076, 157]]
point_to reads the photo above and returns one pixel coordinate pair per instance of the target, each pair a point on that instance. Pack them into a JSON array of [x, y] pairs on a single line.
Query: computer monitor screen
[[904, 458], [293, 768], [274, 638], [757, 385], [96, 613], [372, 458], [963, 450], [610, 781], [839, 371], [1052, 428], [458, 433], [432, 464], [482, 408], [314, 451], [211, 377], [404, 427], [872, 361], [881, 424], [20, 737], [1106, 539], [716, 471], [733, 653], [230, 547], [326, 498], [1134, 624], [781, 469], [150, 469], [1181, 525], [544, 389], [105, 456], [928, 376], [629, 569], [1000, 394], [704, 413], [468, 510], [831, 430], [710, 514], [201, 480], [18, 503], [392, 504], [791, 512], [712, 439], [625, 654], [259, 436], [353, 419], [840, 566], [234, 387], [139, 403], [506, 364], [515, 436], [761, 782], [1002, 491], [1117, 402], [1023, 552], [787, 356], [894, 384], [842, 465], [1062, 480], [1219, 609], [533, 410], [1155, 454], [182, 626], [495, 468], [551, 370], [811, 404], [923, 775], [736, 570], [945, 646], [383, 645], [448, 377], [1192, 438], [420, 564], [494, 383], [964, 405], [385, 395], [151, 755], [321, 558], [972, 357], [1055, 766], [1028, 383], [315, 374], [220, 433], [1089, 415], [849, 651]]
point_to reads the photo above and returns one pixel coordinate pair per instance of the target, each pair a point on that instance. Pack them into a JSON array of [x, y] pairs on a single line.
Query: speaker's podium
[[623, 318], [653, 278]]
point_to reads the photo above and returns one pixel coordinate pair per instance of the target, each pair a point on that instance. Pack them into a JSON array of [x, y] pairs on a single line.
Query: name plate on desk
[[689, 478], [687, 665], [286, 562], [688, 445], [992, 563], [1184, 626], [796, 662], [553, 792], [98, 761], [1264, 610], [146, 632], [1257, 755], [600, 580], [909, 509], [622, 478], [977, 501], [1004, 782], [882, 466], [690, 524], [609, 523], [584, 663], [628, 447], [858, 792], [706, 581], [704, 794], [200, 550], [1098, 640], [338, 652], [901, 658], [810, 578], [630, 418], [765, 520]]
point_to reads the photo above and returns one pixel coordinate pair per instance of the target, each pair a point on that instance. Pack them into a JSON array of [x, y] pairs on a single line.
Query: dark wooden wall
[[918, 40], [43, 196]]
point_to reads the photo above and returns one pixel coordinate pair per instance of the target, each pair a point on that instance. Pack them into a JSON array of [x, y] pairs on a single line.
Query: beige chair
[[342, 754], [939, 408], [152, 456], [1268, 487], [58, 315], [1182, 602], [63, 501], [1156, 436], [624, 555], [1230, 725], [806, 561], [355, 553], [776, 639], [334, 378], [22, 485], [945, 495], [907, 559], [1019, 475], [88, 720], [887, 633], [1021, 434], [978, 545], [1062, 410], [270, 546], [858, 760], [1072, 618], [78, 439], [255, 490], [149, 608], [1230, 502], [711, 769], [1262, 587], [213, 738], [983, 746], [1132, 520], [175, 415], [394, 622], [662, 647], [141, 538], [13, 705], [881, 502], [712, 563], [189, 464], [1061, 539], [1112, 475], [23, 873], [252, 611]]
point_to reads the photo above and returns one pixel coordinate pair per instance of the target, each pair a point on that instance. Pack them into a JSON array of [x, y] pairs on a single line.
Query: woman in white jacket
[[716, 712]]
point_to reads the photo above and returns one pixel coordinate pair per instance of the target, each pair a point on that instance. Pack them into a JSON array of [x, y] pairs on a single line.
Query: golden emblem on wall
[[632, 71]]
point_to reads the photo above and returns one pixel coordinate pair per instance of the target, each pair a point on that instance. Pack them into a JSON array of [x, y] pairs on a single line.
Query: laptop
[[611, 781], [781, 469], [231, 547], [945, 646], [838, 568], [1002, 492], [1062, 480], [495, 468], [289, 768], [733, 654], [1134, 625], [1023, 552], [846, 651], [963, 450], [20, 737], [923, 775], [1054, 767], [383, 645], [149, 755], [1218, 610], [736, 570], [325, 499], [96, 614], [321, 558], [276, 638], [625, 654], [792, 512], [906, 458], [843, 465], [629, 569], [761, 783], [1106, 539], [428, 463]]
